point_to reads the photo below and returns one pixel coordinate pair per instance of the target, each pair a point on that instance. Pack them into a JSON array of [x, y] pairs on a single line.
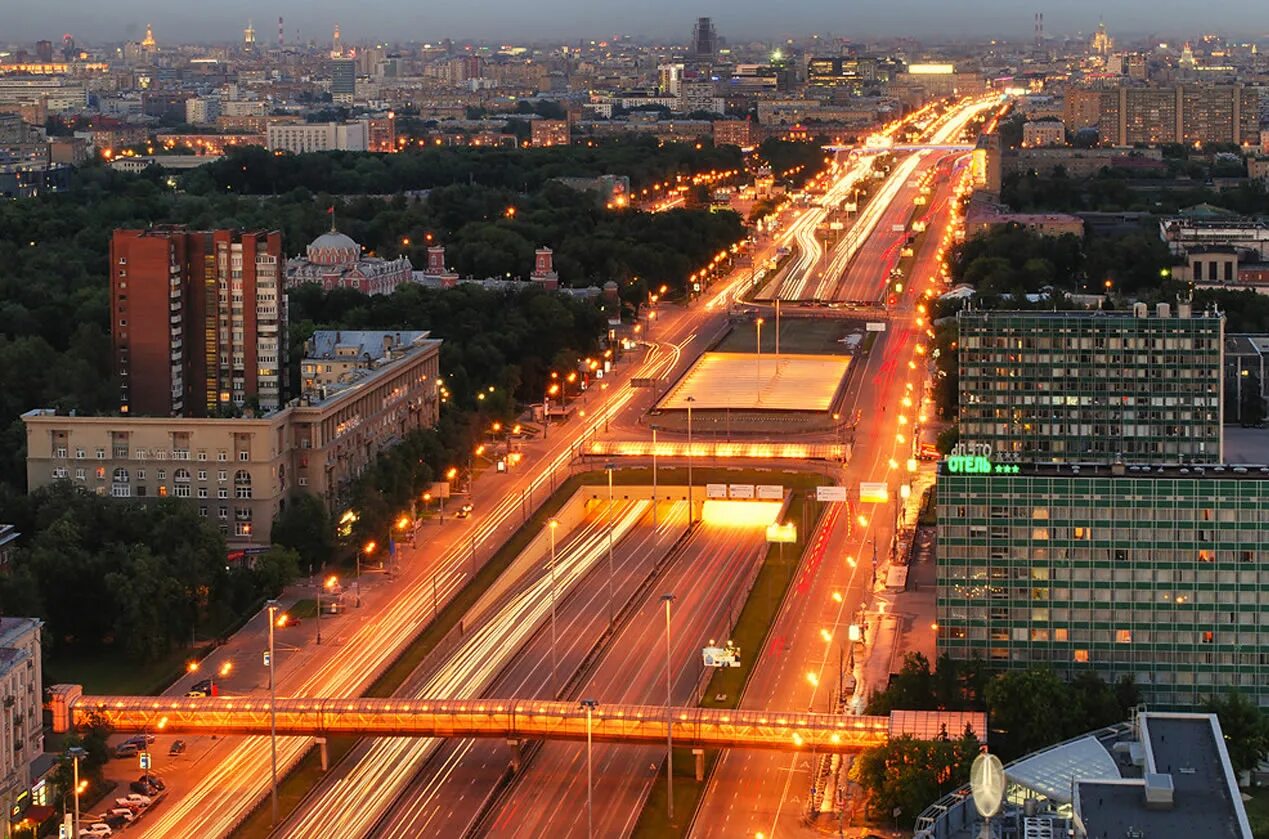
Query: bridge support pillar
[[699, 754], [516, 757], [321, 751]]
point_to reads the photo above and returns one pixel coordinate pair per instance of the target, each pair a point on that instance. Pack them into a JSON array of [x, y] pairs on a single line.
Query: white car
[[96, 829], [123, 812], [136, 798]]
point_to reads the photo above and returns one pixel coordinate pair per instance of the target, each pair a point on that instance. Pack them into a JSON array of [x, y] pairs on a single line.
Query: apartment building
[[299, 138], [198, 320], [1098, 386], [22, 728], [239, 471]]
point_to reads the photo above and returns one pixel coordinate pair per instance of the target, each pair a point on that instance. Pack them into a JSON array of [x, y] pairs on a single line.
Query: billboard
[[770, 492], [740, 491], [716, 490], [728, 656]]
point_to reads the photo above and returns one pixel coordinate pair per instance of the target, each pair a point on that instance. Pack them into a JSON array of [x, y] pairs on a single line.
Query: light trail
[[355, 801]]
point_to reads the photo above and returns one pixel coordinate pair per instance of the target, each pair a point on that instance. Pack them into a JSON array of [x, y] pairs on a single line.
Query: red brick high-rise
[[198, 320]]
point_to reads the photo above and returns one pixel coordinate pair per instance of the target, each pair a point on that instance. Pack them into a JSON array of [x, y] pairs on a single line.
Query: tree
[[1029, 709], [1244, 727], [303, 524], [908, 774]]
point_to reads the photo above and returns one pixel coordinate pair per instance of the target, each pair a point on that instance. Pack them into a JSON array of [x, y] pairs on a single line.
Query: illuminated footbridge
[[511, 719]]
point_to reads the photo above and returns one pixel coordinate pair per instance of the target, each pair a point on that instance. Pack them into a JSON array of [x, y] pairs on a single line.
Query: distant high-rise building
[[249, 36], [343, 80], [44, 51], [704, 40], [549, 132], [148, 43], [336, 49], [1101, 43], [198, 320], [1188, 114]]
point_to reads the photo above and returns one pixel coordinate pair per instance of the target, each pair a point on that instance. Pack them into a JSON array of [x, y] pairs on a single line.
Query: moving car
[[463, 511], [178, 748]]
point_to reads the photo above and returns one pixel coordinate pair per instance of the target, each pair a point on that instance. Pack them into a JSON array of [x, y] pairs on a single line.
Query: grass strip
[[725, 686]]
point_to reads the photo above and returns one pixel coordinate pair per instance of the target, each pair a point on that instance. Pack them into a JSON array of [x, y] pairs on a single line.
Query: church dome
[[333, 248]]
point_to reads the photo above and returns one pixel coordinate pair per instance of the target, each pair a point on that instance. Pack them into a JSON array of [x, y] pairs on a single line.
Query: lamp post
[[590, 705], [667, 599], [76, 752], [690, 513], [609, 467], [554, 679], [368, 549], [758, 373], [654, 476], [272, 607]]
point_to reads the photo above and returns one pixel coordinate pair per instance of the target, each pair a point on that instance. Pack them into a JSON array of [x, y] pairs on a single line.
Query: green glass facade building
[[1076, 387], [1160, 573]]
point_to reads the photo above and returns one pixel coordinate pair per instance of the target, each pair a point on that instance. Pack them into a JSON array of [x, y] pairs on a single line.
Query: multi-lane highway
[[752, 793], [455, 787]]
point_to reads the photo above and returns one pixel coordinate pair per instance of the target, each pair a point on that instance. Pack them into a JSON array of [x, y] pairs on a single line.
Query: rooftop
[[747, 381], [1254, 471], [366, 344]]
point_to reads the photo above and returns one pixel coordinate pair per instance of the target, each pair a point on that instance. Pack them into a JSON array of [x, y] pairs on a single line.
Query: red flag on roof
[[330, 211]]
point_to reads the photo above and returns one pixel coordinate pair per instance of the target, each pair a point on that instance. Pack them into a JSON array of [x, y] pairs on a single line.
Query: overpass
[[510, 719], [901, 147]]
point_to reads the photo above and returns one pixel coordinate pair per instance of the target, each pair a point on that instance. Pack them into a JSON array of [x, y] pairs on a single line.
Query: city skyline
[[500, 20]]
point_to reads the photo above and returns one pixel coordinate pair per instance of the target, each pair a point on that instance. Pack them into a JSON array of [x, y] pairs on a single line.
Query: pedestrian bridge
[[511, 719]]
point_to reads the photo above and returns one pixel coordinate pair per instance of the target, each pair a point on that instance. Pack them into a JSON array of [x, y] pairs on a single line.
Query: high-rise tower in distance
[[704, 40]]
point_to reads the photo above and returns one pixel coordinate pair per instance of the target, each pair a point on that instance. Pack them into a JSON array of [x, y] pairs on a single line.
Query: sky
[[548, 20]]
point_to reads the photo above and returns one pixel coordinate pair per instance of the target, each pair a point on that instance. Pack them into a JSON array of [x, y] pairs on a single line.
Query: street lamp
[[329, 583], [654, 476], [667, 599], [554, 523], [690, 512], [590, 705], [76, 753], [272, 607], [609, 467], [368, 549]]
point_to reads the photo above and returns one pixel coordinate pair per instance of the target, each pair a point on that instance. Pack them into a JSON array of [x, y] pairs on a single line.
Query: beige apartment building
[[240, 471]]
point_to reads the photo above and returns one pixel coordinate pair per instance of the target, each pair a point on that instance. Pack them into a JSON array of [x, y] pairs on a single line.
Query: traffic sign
[[741, 491], [145, 760], [266, 657], [875, 326], [830, 493], [716, 490], [873, 492], [770, 492]]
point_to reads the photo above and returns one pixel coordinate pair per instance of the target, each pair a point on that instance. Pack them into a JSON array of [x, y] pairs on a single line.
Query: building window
[[1082, 532], [242, 528], [1208, 637], [162, 490], [202, 474], [222, 493], [119, 476], [161, 474], [1123, 636], [101, 473], [60, 451], [1081, 656], [140, 474], [182, 490], [121, 491], [202, 510], [242, 484], [202, 454], [222, 476], [79, 454], [79, 474], [222, 455], [223, 514], [101, 454], [181, 475], [59, 472], [202, 492], [244, 456]]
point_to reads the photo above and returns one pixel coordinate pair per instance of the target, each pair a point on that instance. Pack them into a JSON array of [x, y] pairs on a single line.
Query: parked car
[[122, 813], [143, 800], [132, 806], [96, 829], [126, 749], [178, 748], [141, 739], [115, 822], [142, 788], [154, 781]]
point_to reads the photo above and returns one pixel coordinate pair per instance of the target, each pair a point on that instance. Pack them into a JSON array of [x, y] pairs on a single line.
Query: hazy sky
[[189, 20]]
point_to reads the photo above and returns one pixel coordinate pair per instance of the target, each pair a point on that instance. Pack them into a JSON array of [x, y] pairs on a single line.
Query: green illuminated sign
[[964, 464]]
